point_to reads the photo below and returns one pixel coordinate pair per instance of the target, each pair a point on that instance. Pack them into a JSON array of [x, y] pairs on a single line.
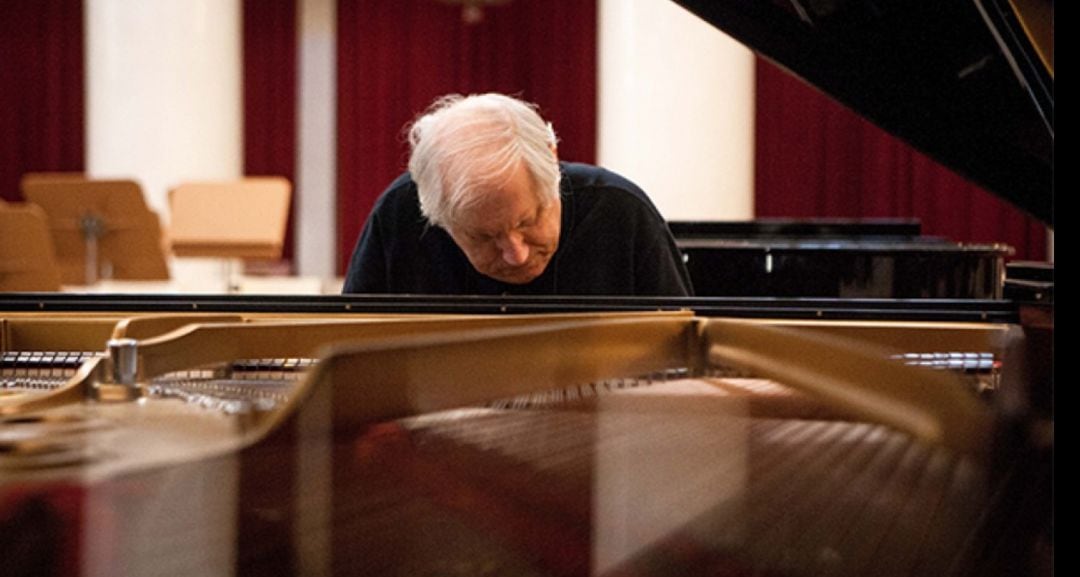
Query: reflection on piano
[[557, 444]]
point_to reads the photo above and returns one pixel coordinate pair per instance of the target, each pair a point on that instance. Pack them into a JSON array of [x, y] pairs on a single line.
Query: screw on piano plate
[[120, 383], [124, 361]]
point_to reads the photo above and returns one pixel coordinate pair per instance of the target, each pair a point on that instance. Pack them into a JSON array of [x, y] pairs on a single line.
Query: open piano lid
[[959, 80]]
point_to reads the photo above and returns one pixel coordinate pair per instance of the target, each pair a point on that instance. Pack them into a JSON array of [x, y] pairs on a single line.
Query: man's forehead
[[499, 212], [510, 193]]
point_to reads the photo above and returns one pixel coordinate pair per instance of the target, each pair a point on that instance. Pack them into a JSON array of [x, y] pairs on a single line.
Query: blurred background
[[167, 93]]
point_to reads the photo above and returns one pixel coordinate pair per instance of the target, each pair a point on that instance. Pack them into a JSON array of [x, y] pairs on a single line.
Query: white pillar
[[677, 109], [164, 96], [163, 91], [316, 161]]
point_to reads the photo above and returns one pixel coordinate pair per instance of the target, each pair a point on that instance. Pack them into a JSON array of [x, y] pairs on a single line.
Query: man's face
[[508, 234]]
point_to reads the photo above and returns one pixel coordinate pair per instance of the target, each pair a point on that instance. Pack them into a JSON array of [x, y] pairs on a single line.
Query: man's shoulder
[[600, 187], [582, 176], [396, 213], [399, 195]]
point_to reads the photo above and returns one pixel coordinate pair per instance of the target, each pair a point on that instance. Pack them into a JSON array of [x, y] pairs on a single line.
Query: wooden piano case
[[603, 441]]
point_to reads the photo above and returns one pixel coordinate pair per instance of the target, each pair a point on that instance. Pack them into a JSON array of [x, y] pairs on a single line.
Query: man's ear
[[552, 141]]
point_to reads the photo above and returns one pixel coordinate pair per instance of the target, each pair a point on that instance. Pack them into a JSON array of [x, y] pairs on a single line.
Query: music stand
[[27, 259], [100, 229], [244, 218]]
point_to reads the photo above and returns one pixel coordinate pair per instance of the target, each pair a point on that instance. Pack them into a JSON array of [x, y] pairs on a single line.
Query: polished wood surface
[[595, 444], [244, 218], [129, 242]]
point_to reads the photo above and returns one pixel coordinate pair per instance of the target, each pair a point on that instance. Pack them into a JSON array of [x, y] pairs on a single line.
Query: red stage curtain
[[816, 158], [42, 120], [396, 56], [270, 95]]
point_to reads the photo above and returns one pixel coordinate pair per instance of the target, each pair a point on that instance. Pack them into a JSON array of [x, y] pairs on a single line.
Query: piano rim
[[946, 310]]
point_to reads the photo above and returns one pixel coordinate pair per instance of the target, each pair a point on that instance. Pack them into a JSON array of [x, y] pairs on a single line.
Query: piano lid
[[959, 80]]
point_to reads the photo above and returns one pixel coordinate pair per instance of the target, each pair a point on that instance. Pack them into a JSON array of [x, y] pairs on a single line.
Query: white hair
[[464, 145]]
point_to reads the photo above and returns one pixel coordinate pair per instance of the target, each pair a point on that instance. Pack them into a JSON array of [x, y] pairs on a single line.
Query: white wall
[[676, 109]]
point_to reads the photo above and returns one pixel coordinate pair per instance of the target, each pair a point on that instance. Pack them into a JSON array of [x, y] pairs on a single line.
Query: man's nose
[[514, 250]]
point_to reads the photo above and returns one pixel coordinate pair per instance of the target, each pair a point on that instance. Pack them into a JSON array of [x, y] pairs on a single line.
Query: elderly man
[[487, 208]]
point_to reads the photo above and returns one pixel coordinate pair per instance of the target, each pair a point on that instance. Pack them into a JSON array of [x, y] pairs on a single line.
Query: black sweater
[[612, 242]]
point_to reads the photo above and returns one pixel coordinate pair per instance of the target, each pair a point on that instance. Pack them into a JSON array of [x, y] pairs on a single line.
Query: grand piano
[[363, 435]]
